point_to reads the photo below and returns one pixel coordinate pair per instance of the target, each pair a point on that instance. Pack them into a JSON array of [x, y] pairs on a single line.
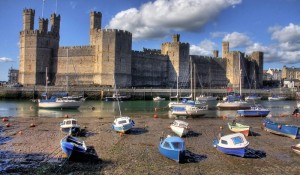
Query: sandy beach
[[36, 150]]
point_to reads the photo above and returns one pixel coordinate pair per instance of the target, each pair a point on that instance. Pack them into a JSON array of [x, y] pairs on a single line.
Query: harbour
[[137, 151]]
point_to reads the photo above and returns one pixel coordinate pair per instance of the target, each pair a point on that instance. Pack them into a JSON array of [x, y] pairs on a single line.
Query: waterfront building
[[109, 60], [13, 76]]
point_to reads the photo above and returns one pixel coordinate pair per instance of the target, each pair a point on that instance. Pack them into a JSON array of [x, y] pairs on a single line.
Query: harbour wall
[[99, 93]]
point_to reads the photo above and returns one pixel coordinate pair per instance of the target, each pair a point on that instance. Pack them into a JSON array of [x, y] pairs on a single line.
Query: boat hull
[[73, 151], [176, 155], [180, 131], [296, 148], [282, 129], [253, 113], [232, 151], [122, 129], [239, 129], [60, 105], [233, 105]]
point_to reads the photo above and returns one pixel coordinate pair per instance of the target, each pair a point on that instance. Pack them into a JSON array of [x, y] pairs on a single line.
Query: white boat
[[296, 148], [277, 98], [205, 98], [189, 111], [61, 101], [252, 97], [180, 127], [158, 98], [233, 105], [196, 111], [70, 126], [298, 104], [233, 144], [123, 124]]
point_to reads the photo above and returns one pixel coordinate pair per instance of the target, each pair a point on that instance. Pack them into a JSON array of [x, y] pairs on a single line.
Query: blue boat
[[291, 131], [173, 147], [254, 111], [232, 144], [73, 147], [122, 124]]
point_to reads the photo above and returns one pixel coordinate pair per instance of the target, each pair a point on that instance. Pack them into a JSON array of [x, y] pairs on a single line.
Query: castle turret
[[179, 59], [95, 24], [215, 53], [55, 23], [43, 25], [258, 57], [225, 49], [28, 19]]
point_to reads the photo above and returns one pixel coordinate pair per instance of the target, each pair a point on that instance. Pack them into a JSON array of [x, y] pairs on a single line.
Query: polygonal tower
[[225, 49], [38, 49], [258, 58], [179, 60], [95, 25]]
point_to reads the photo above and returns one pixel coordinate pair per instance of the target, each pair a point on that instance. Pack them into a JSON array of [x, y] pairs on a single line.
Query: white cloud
[[217, 34], [204, 48], [159, 18], [237, 39], [290, 33], [5, 59]]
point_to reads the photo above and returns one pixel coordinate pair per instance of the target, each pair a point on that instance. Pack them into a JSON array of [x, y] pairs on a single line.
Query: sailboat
[[232, 104], [60, 100], [253, 96], [206, 98], [122, 124], [188, 101]]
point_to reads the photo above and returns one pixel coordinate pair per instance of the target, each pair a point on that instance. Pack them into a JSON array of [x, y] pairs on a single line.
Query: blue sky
[[271, 26]]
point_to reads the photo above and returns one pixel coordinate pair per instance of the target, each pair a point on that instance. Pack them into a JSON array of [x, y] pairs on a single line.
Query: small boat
[[296, 148], [196, 111], [70, 126], [158, 98], [172, 147], [298, 104], [60, 101], [206, 98], [232, 144], [180, 127], [276, 98], [291, 131], [233, 105], [253, 97], [73, 147], [189, 111], [239, 128], [254, 111], [122, 124]]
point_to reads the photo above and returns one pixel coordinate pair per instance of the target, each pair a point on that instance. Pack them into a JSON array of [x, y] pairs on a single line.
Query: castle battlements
[[28, 10]]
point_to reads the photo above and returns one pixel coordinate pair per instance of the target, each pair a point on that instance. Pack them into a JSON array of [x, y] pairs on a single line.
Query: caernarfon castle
[[109, 60]]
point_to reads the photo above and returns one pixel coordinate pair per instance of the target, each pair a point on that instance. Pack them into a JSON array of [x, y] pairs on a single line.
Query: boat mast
[[177, 96], [194, 80], [67, 71], [240, 74], [46, 83], [191, 76]]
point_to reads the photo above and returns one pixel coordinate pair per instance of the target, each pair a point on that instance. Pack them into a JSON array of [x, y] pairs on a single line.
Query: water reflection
[[26, 108]]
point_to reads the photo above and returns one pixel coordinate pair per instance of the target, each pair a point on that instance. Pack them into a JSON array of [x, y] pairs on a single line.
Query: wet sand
[[36, 150]]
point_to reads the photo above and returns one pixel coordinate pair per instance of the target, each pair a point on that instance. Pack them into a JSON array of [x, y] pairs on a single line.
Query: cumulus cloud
[[204, 48], [5, 59], [217, 34], [160, 17], [290, 33], [237, 39]]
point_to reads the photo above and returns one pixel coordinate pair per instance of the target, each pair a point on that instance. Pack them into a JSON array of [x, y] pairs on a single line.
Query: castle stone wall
[[149, 69]]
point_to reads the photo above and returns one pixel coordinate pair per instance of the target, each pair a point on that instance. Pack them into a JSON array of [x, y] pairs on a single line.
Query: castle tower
[[215, 53], [95, 24], [28, 19], [55, 23], [258, 58], [43, 25], [38, 49], [113, 58], [234, 62], [179, 60], [225, 49]]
